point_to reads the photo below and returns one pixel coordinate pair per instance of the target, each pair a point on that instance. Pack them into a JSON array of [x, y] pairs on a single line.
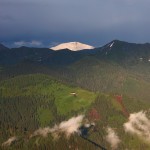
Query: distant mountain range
[[118, 51], [2, 47]]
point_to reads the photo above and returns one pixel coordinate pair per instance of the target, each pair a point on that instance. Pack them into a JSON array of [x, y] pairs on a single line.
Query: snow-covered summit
[[73, 46]]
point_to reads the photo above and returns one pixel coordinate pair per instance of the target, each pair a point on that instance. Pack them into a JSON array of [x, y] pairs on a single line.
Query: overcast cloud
[[95, 22]]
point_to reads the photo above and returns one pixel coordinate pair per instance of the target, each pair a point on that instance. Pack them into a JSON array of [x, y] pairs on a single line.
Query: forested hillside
[[29, 102], [33, 101], [92, 99]]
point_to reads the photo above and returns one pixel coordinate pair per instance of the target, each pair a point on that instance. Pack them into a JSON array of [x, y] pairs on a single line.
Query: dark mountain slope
[[123, 52], [2, 47], [118, 51], [38, 55]]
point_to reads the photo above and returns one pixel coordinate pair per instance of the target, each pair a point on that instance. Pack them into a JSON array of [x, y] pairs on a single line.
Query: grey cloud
[[68, 20], [32, 43]]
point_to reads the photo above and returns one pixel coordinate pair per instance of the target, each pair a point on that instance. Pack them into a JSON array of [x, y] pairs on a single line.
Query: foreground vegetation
[[28, 102]]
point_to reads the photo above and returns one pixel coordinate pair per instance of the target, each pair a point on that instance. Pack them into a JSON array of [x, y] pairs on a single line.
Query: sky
[[46, 23]]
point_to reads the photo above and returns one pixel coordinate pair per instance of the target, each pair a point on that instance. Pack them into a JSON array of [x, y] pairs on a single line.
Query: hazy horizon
[[46, 23]]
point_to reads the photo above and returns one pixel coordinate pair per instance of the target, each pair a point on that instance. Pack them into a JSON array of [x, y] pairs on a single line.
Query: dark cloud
[[92, 21]]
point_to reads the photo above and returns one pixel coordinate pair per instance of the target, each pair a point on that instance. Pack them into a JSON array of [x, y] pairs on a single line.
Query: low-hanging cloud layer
[[139, 124], [67, 127], [112, 138], [9, 141], [93, 22]]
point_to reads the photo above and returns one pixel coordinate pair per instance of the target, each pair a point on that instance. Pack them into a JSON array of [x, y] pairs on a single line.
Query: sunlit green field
[[49, 91]]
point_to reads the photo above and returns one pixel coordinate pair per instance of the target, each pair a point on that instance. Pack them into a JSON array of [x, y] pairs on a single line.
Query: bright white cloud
[[139, 124], [9, 141], [67, 127], [112, 138]]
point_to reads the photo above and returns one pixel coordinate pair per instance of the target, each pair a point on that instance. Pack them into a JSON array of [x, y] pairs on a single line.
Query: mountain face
[[124, 52], [116, 51], [2, 47], [73, 46]]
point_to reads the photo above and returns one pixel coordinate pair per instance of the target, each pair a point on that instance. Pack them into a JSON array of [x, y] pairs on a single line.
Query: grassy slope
[[111, 115], [41, 95], [97, 75], [44, 86], [93, 74], [109, 77]]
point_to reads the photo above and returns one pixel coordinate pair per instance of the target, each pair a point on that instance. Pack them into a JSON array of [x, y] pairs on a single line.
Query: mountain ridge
[[117, 51], [2, 47], [113, 41]]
